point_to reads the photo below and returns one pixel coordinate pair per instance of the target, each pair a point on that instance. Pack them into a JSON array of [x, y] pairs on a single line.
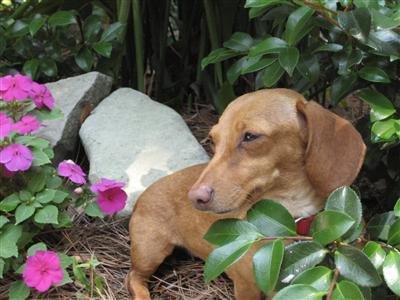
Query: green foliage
[[327, 263]]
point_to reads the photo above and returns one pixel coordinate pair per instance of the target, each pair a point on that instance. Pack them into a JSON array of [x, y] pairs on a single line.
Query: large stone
[[75, 96], [131, 138]]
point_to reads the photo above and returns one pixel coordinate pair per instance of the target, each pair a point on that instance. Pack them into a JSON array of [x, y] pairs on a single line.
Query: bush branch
[[333, 284], [289, 238], [322, 10]]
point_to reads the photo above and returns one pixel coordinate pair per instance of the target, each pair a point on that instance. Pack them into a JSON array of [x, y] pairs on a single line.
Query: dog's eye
[[248, 137]]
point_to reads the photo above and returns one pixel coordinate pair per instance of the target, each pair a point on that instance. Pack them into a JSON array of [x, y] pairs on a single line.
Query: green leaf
[[384, 130], [18, 291], [381, 107], [10, 202], [103, 48], [221, 258], [239, 41], [299, 291], [260, 64], [227, 230], [356, 266], [268, 45], [378, 227], [394, 234], [59, 196], [25, 195], [9, 236], [217, 55], [309, 68], [40, 158], [356, 22], [263, 3], [37, 181], [288, 59], [46, 196], [329, 226], [267, 262], [64, 220], [43, 115], [396, 209], [31, 67], [391, 271], [382, 21], [237, 68], [298, 24], [93, 210], [38, 246], [54, 182], [2, 264], [91, 28], [224, 96], [375, 253], [344, 61], [272, 74], [374, 74], [48, 67], [84, 59], [319, 277], [3, 44], [271, 219], [299, 257], [37, 22], [47, 215], [23, 212], [3, 220], [330, 47], [345, 290], [62, 18], [342, 86], [19, 28], [112, 32]]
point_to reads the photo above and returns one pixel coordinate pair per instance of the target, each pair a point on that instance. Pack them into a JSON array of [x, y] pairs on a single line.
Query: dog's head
[[274, 144]]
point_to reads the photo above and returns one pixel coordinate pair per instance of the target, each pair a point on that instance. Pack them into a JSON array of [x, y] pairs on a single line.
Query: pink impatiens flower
[[72, 171], [111, 198], [41, 96], [26, 124], [5, 125], [16, 157], [42, 270], [16, 87]]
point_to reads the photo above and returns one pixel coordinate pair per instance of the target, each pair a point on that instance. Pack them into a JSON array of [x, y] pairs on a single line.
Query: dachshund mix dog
[[270, 144]]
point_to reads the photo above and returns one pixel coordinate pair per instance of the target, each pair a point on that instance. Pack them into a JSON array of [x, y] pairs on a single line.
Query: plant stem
[[333, 284], [138, 31], [123, 15], [322, 10], [288, 238]]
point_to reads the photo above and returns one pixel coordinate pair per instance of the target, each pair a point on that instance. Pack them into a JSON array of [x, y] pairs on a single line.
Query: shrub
[[35, 196]]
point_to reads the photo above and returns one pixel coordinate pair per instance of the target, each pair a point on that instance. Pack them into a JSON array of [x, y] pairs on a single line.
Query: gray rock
[[74, 96], [131, 138]]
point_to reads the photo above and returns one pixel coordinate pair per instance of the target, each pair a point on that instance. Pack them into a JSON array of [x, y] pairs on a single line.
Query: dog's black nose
[[201, 196]]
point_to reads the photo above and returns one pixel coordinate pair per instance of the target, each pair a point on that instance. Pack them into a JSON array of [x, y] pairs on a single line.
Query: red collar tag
[[303, 225]]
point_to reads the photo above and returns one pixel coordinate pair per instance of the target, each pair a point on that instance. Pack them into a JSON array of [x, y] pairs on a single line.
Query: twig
[[322, 11], [290, 238], [333, 284]]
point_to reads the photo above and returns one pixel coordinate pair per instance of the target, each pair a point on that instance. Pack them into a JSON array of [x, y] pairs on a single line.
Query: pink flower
[[42, 270], [68, 168], [111, 198], [26, 124], [41, 96], [16, 157], [5, 125], [16, 87]]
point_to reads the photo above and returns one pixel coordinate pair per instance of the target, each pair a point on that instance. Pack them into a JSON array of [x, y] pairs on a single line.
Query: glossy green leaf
[[263, 3], [93, 210], [23, 212], [10, 202], [272, 74], [47, 215], [222, 257], [267, 262], [37, 22], [298, 24], [48, 67], [235, 69], [329, 226], [391, 271], [112, 32], [356, 266], [346, 60], [217, 55], [309, 68], [375, 253], [103, 48], [396, 209], [19, 28], [258, 65], [38, 246], [91, 28], [84, 59], [319, 277], [330, 47], [62, 18], [342, 86], [356, 22], [378, 227], [18, 291], [227, 230], [385, 130], [271, 219], [373, 74], [239, 41], [299, 257], [288, 59], [31, 67], [381, 107], [268, 45], [382, 21], [394, 234], [9, 236], [299, 291], [345, 290]]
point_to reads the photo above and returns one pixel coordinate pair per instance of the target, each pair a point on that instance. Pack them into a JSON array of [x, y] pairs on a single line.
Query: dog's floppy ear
[[335, 149]]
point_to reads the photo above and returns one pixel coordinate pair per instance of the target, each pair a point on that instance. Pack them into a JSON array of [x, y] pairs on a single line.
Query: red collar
[[303, 225]]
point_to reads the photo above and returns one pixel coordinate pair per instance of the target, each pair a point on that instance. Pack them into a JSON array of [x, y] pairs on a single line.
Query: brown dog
[[269, 144]]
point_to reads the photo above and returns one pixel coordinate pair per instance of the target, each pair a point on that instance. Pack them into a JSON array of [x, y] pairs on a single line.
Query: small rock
[[75, 96], [133, 139]]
